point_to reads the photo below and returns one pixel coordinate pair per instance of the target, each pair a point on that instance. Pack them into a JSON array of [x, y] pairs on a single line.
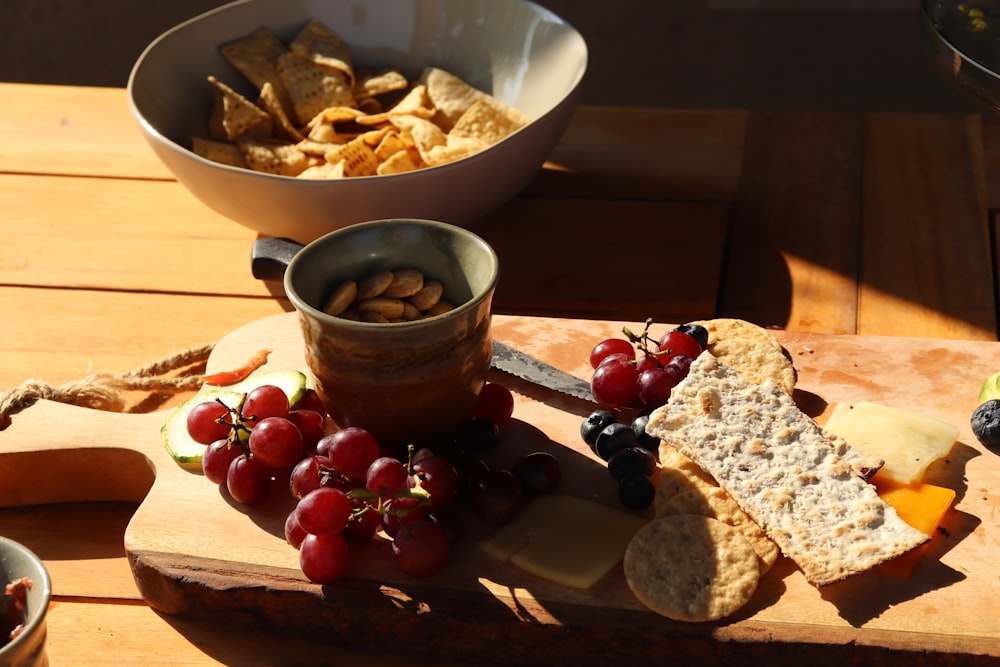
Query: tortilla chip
[[317, 43], [450, 95], [327, 170], [316, 148], [283, 126], [456, 148], [424, 134], [256, 57], [374, 83], [358, 157], [399, 162], [488, 120], [313, 87], [234, 116], [274, 158], [222, 152], [414, 103]]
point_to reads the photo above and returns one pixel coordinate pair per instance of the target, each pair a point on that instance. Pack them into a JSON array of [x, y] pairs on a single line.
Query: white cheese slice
[[571, 541], [907, 441]]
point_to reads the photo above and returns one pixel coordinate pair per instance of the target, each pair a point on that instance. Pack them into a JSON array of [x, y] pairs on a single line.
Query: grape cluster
[[630, 452], [347, 488], [638, 370]]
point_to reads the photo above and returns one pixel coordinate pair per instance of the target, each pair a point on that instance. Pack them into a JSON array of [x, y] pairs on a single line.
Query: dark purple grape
[[594, 424], [479, 434], [696, 331], [631, 461], [538, 473], [643, 439], [636, 492], [497, 497], [614, 438]]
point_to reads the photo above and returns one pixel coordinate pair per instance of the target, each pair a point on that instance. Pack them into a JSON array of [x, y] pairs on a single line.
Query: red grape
[[496, 403], [323, 510], [305, 476], [614, 384], [311, 401], [655, 385], [363, 524], [438, 477], [310, 425], [399, 511], [323, 558], [351, 451], [276, 442], [608, 347], [451, 522], [421, 548], [265, 401], [248, 480], [216, 460], [676, 342], [294, 534], [386, 476], [203, 422], [646, 361]]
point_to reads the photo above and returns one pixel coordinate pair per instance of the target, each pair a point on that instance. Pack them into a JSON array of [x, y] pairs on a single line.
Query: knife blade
[[517, 363]]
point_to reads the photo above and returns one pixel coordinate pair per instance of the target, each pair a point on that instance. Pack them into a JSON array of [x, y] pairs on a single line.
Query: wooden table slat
[[793, 254], [925, 245]]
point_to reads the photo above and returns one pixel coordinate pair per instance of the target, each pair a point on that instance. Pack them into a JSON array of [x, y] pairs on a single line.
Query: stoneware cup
[[406, 383], [28, 648]]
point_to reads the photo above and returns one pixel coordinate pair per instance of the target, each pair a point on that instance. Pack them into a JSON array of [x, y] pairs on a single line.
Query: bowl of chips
[[297, 119]]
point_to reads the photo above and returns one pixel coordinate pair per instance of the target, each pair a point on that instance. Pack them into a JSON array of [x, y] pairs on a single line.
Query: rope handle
[[104, 391]]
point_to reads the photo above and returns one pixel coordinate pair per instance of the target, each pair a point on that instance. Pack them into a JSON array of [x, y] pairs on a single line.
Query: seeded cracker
[[691, 568], [794, 480]]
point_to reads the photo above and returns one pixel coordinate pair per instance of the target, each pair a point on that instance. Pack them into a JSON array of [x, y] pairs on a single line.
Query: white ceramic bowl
[[518, 51]]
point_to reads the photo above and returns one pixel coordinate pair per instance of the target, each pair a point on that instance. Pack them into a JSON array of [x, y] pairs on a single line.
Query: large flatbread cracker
[[793, 479]]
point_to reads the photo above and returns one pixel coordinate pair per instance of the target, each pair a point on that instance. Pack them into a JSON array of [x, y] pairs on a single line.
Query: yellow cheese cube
[[571, 541], [908, 442]]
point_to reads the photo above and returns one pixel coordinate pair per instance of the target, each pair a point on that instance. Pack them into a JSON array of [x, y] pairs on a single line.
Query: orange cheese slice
[[923, 506], [567, 540]]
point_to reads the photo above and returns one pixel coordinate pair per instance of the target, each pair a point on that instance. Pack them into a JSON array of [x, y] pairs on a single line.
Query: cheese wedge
[[567, 540], [908, 442]]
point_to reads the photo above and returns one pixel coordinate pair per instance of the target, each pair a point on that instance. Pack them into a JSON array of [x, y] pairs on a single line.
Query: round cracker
[[752, 350], [716, 503], [691, 568], [677, 473]]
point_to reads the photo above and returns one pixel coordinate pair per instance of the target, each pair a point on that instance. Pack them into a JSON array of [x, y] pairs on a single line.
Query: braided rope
[[104, 391]]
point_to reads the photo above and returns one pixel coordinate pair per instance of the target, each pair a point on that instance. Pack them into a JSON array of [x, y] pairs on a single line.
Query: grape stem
[[644, 340]]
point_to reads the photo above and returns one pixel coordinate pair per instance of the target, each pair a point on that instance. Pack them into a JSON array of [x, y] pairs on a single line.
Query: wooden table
[[875, 224]]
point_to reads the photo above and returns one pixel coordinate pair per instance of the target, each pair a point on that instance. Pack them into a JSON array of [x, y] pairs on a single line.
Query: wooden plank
[[88, 633], [73, 130], [925, 249], [81, 545], [59, 336], [121, 234], [607, 259], [793, 252], [647, 153]]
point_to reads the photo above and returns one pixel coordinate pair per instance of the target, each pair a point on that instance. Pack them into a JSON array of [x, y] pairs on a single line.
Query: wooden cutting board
[[194, 553]]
